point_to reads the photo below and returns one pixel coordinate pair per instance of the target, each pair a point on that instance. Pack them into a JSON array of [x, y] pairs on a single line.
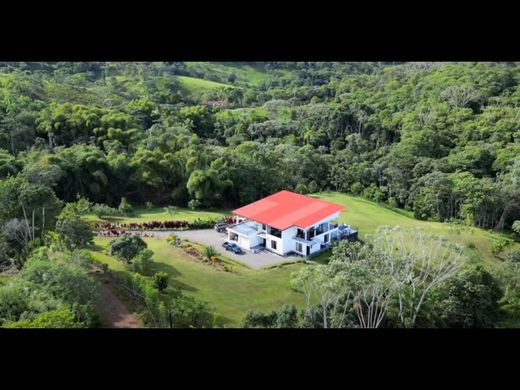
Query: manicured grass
[[230, 294], [159, 214], [196, 86], [367, 216]]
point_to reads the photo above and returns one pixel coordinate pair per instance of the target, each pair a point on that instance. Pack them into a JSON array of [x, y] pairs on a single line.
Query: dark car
[[221, 227], [232, 247]]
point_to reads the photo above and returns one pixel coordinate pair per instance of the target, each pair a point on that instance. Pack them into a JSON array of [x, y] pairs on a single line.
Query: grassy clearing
[[159, 214], [194, 86], [245, 74], [231, 294], [367, 216]]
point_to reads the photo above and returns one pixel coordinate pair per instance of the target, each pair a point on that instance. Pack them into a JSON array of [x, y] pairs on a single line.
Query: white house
[[286, 222]]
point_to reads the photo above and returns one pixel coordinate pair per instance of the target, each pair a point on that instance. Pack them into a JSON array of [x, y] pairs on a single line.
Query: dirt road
[[114, 312]]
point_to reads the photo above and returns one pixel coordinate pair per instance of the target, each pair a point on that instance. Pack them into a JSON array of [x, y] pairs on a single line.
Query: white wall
[[286, 244], [289, 244], [315, 248], [243, 242], [254, 240], [279, 248]]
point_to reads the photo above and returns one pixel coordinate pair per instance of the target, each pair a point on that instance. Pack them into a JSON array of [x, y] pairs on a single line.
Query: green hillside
[[194, 86], [245, 73], [367, 216]]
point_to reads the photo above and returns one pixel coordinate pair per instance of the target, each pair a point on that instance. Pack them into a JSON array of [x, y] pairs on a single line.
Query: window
[[299, 247], [273, 244], [326, 238], [263, 227]]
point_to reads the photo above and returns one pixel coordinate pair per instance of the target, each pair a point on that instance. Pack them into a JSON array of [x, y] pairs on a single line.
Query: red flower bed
[[121, 233], [152, 225], [115, 229]]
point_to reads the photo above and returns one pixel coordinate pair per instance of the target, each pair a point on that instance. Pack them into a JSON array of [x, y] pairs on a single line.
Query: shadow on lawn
[[96, 248], [173, 272]]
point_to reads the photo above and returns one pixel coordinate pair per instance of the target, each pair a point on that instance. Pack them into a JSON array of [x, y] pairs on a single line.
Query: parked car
[[232, 247], [225, 244], [221, 227]]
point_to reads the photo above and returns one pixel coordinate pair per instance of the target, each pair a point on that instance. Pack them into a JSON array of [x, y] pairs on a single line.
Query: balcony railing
[[316, 232], [276, 233]]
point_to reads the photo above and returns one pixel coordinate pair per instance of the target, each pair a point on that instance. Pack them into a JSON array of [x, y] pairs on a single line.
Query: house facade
[[285, 223]]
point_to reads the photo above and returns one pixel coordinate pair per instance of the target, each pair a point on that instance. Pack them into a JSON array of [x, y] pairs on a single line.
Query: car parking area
[[210, 237]]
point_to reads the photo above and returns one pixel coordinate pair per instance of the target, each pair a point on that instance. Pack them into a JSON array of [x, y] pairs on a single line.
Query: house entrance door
[[263, 242], [308, 249]]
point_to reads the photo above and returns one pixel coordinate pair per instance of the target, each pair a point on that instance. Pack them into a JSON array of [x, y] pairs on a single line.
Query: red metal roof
[[285, 209]]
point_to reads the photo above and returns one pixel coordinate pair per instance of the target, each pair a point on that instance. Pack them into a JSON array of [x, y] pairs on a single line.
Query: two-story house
[[286, 222]]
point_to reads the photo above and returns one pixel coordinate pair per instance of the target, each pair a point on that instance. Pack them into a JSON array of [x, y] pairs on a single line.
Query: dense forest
[[439, 139]]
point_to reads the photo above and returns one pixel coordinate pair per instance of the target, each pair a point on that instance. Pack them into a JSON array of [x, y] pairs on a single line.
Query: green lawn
[[159, 214], [367, 216], [230, 294]]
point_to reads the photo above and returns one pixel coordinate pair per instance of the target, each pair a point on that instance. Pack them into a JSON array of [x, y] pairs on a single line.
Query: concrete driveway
[[210, 237]]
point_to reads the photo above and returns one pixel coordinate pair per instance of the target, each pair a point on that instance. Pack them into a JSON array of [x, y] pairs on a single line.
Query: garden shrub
[[125, 207], [126, 248], [514, 256], [142, 262], [498, 246], [210, 252], [516, 228], [58, 318], [392, 202], [101, 210], [160, 280], [70, 284], [257, 319], [189, 312], [194, 204]]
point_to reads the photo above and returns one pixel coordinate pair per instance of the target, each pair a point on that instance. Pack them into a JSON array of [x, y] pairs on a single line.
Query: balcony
[[304, 241], [313, 232], [275, 232]]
